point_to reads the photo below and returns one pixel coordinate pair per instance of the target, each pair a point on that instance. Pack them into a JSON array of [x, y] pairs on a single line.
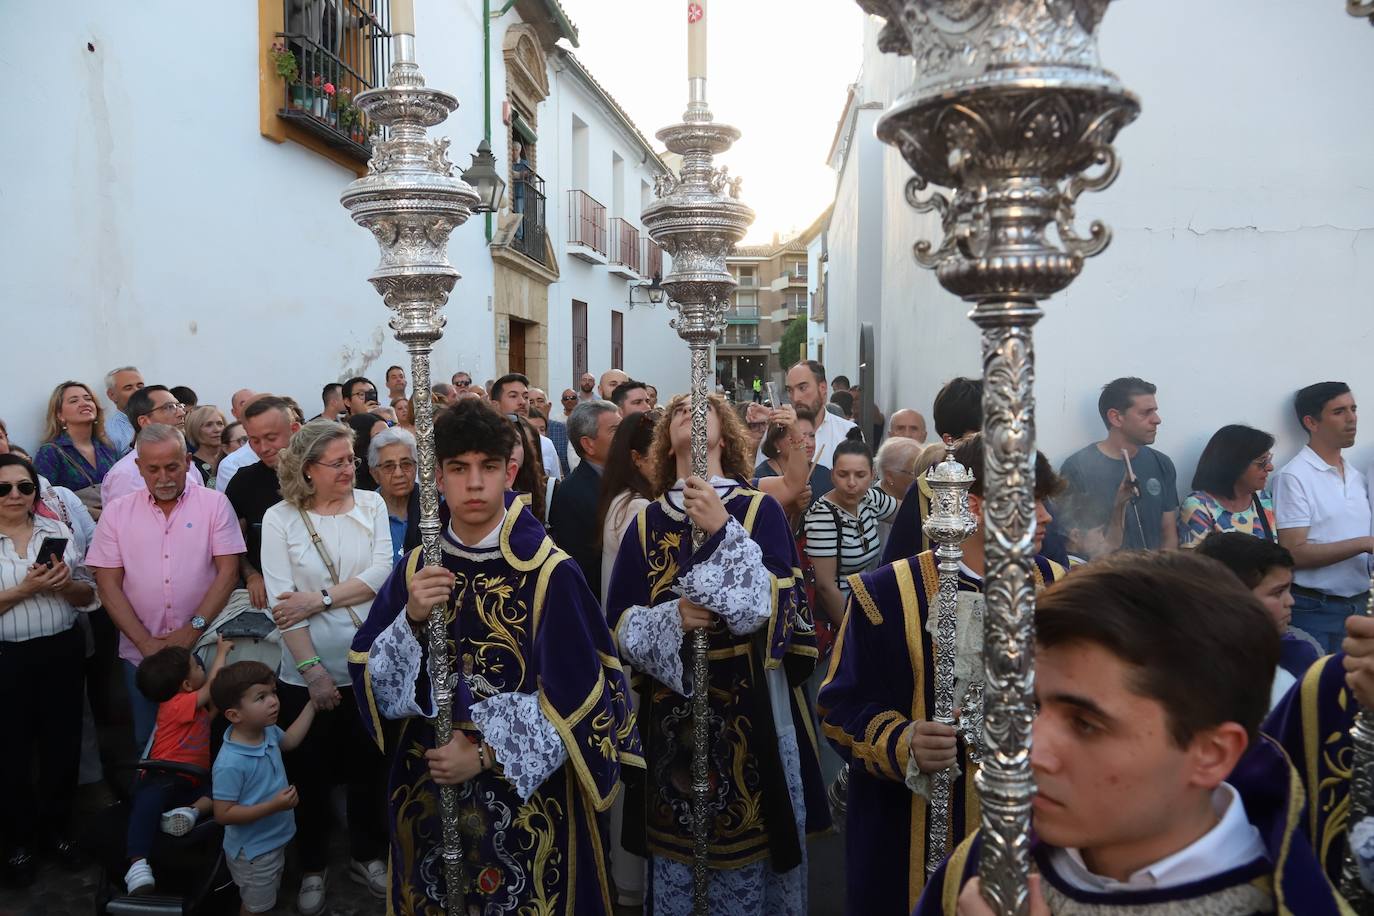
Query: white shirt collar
[[723, 485], [1232, 843], [1310, 455], [492, 538]]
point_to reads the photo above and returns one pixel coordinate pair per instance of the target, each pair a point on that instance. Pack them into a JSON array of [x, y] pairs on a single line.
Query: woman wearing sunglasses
[[41, 656]]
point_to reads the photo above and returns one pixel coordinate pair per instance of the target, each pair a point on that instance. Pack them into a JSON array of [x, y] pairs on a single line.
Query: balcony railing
[[740, 335], [797, 276], [750, 282], [527, 198], [743, 314], [653, 259], [338, 53], [625, 244], [586, 222]]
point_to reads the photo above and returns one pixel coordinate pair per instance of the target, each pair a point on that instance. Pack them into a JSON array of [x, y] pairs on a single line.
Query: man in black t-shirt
[[252, 491], [1111, 510]]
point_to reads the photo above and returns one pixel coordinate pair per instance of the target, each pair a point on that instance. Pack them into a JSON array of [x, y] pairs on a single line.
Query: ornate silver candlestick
[[1361, 9], [1009, 108], [948, 524], [698, 219], [410, 201]]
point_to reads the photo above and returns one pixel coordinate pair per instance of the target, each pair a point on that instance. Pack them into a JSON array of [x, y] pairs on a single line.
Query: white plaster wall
[[1243, 256], [652, 350], [815, 330], [148, 221]]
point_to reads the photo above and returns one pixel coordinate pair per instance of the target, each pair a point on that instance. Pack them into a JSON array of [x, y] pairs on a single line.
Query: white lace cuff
[[651, 641], [919, 782], [394, 665], [733, 582], [524, 741]]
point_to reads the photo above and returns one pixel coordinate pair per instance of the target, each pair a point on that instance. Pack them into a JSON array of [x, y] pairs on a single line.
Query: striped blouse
[[45, 614], [834, 532]]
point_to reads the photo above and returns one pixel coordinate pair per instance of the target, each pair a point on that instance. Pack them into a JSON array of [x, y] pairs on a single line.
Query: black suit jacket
[[572, 521]]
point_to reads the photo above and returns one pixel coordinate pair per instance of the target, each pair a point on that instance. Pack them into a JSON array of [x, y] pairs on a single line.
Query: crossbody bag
[[328, 563]]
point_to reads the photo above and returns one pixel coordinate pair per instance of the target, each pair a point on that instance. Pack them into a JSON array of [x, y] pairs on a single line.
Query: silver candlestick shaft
[[948, 525], [1361, 801], [698, 219], [410, 201], [1009, 108]]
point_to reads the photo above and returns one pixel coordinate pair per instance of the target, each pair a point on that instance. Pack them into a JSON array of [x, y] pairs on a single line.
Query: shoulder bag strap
[[1262, 517], [79, 469], [328, 563]]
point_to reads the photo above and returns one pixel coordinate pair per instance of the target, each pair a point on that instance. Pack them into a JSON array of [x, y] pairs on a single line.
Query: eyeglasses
[[239, 440], [1263, 461], [391, 467], [26, 488], [368, 395], [172, 406], [340, 464], [463, 384], [758, 427], [569, 397]]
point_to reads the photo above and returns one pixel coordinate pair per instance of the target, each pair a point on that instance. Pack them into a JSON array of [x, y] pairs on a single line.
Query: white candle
[[402, 17], [696, 39]]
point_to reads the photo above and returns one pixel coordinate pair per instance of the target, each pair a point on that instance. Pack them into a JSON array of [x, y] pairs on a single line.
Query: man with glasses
[[511, 395], [586, 387], [461, 380], [255, 489], [165, 557], [557, 430], [146, 406], [360, 395]]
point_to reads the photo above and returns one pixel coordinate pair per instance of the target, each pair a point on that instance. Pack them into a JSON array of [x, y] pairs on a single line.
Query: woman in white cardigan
[[326, 550]]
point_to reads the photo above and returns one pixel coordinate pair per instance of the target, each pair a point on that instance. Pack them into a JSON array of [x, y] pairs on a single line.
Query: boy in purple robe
[[744, 586], [1155, 792], [541, 715], [878, 701]]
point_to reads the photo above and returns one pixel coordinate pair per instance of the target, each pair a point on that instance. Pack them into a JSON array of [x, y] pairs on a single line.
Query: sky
[[777, 69]]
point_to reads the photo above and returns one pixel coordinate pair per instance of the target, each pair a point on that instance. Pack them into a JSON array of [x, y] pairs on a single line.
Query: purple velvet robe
[[753, 813], [523, 620], [881, 682]]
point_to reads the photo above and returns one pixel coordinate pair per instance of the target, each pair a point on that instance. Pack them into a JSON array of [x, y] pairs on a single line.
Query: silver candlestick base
[[1010, 107], [698, 219], [410, 201]]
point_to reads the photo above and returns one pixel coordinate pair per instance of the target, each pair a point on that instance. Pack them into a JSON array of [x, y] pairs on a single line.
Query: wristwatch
[[198, 622], [328, 601]]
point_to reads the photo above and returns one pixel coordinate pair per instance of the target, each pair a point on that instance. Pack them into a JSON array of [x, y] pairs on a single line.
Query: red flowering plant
[[285, 63]]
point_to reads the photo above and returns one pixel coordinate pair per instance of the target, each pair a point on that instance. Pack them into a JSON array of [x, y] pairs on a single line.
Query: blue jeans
[[1323, 616], [144, 710], [155, 793]]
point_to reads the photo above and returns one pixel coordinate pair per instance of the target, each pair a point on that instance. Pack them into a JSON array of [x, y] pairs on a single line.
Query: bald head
[[239, 401], [907, 424], [611, 379]]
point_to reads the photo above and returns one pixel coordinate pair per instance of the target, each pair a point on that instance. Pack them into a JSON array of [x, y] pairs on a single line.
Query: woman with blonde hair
[[205, 435], [405, 414], [326, 550], [75, 452], [741, 587]]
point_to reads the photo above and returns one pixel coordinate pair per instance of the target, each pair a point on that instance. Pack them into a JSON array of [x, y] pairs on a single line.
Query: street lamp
[[652, 288], [485, 180]]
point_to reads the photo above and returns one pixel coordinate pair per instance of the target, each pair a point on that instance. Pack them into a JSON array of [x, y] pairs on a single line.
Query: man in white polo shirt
[[1322, 512], [807, 390]]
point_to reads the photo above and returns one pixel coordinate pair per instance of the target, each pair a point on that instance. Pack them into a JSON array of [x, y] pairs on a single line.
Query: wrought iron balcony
[[740, 335], [586, 227], [624, 253], [527, 199], [334, 54]]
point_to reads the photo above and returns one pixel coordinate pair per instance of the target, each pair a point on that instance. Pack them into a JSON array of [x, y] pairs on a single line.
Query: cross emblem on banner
[[694, 13]]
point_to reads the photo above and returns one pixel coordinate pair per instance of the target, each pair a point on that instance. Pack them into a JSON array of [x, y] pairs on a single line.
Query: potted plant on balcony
[[288, 69], [323, 97], [350, 118]]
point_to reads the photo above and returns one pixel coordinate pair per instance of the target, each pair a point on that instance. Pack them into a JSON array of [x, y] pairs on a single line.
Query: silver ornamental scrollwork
[[949, 524], [1009, 108], [698, 219], [410, 201]]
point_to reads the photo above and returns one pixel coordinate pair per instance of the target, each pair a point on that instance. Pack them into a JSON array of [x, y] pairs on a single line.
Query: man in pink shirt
[[150, 404], [165, 560]]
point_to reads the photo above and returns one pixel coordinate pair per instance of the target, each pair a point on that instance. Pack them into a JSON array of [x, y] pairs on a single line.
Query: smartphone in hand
[[51, 551]]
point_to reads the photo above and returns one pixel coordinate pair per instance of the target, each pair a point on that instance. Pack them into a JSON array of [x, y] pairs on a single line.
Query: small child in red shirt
[[175, 679]]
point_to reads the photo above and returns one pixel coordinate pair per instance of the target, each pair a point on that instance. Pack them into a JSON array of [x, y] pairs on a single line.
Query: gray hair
[[306, 446], [391, 436], [898, 454], [585, 419], [109, 376], [157, 433]]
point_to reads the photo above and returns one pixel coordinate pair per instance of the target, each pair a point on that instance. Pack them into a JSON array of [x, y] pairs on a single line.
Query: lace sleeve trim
[[394, 664], [524, 741], [651, 641], [733, 582]]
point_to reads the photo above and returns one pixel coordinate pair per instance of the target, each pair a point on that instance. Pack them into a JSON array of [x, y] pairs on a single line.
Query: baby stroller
[[192, 877]]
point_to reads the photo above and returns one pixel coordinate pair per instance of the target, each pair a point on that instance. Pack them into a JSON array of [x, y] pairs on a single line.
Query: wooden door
[[617, 340], [517, 346], [579, 341]]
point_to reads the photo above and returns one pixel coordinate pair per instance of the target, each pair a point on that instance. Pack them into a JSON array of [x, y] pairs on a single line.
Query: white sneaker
[[139, 878], [179, 821], [310, 900], [372, 874]]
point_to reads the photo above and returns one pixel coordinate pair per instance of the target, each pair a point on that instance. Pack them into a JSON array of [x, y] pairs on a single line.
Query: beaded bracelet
[[301, 666]]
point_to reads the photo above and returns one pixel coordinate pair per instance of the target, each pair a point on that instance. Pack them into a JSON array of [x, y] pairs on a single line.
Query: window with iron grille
[[330, 51]]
